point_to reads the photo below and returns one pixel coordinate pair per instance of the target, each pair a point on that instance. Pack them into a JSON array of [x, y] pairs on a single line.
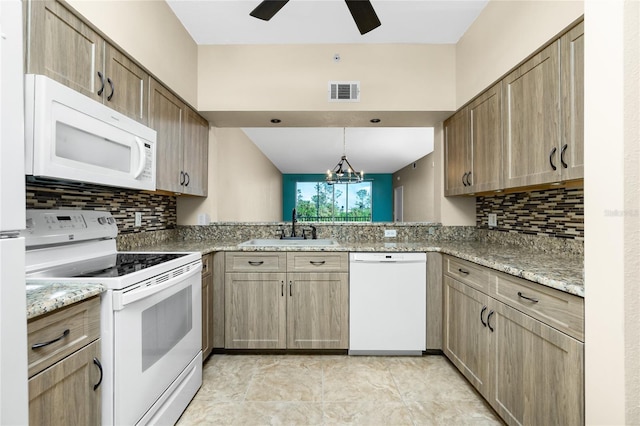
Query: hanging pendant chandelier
[[343, 172]]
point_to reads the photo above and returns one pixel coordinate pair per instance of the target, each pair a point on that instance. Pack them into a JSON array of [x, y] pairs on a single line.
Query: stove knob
[[111, 220], [102, 220]]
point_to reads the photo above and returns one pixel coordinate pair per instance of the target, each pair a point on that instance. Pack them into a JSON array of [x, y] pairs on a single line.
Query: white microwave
[[72, 137]]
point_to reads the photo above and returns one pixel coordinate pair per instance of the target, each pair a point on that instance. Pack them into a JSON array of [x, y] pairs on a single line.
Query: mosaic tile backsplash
[[555, 212], [158, 211]]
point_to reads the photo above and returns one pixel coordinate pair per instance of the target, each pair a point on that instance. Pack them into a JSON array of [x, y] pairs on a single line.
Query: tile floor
[[333, 390]]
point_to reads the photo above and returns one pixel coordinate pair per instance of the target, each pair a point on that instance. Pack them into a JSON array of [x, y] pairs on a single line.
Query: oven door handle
[[124, 298]]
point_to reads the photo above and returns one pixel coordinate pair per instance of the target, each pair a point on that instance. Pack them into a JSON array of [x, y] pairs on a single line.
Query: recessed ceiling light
[[375, 120], [276, 120]]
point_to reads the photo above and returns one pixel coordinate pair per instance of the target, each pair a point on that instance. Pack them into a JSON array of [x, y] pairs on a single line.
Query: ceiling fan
[[361, 10]]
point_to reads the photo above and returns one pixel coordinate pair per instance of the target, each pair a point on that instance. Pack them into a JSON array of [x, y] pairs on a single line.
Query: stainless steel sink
[[275, 242]]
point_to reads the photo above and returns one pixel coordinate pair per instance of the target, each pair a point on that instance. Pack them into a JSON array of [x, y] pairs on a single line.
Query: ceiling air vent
[[344, 91]]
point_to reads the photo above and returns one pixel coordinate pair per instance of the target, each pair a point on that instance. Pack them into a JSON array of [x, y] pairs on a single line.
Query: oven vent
[[344, 91]]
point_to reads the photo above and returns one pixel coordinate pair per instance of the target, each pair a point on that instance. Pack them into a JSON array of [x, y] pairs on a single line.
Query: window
[[321, 202]]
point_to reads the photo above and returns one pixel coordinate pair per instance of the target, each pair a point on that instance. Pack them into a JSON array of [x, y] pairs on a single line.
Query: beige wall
[[612, 206], [417, 189], [505, 33], [295, 77], [246, 185], [161, 44]]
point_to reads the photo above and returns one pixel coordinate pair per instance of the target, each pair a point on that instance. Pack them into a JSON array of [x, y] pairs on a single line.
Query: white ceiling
[[326, 21], [316, 149]]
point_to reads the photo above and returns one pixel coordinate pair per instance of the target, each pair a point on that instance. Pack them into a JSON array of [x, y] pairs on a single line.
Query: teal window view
[[321, 202], [340, 202]]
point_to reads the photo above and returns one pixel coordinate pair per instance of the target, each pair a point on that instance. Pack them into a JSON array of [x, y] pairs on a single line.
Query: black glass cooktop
[[127, 263]]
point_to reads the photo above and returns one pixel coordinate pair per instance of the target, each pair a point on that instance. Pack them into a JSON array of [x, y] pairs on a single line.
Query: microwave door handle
[[143, 158]]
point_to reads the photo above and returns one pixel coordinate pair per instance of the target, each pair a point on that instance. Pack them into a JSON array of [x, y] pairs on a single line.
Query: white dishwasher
[[387, 303]]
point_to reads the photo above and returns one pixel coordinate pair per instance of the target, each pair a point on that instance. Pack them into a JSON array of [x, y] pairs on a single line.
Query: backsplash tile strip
[[158, 211], [554, 212]]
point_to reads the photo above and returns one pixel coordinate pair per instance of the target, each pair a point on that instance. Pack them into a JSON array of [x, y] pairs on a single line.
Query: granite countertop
[[563, 272], [44, 297]]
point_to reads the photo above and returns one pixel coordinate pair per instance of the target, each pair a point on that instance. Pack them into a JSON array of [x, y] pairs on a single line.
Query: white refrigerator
[[13, 313]]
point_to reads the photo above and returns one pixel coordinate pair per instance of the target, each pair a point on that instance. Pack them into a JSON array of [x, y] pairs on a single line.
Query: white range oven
[[150, 313]]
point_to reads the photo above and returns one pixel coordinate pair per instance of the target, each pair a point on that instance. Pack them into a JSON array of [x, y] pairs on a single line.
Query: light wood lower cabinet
[[64, 366], [255, 310], [530, 372], [317, 314], [64, 393], [207, 306], [280, 309]]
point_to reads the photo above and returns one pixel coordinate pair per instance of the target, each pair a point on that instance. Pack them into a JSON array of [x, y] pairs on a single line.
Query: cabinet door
[[62, 47], [456, 153], [207, 307], [165, 117], [195, 140], [255, 311], [467, 341], [531, 126], [539, 371], [63, 394], [218, 299], [130, 94], [318, 311], [572, 77], [485, 124]]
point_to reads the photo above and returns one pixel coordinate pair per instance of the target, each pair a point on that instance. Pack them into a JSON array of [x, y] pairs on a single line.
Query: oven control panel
[[58, 226]]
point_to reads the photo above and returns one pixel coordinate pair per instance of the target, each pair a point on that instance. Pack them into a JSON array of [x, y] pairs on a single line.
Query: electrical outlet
[[138, 221], [390, 233], [493, 220]]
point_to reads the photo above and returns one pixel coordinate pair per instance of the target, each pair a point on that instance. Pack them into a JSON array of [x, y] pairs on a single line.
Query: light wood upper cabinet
[[486, 141], [457, 155], [195, 137], [572, 89], [524, 131], [65, 48], [317, 310], [126, 86], [182, 143], [531, 121], [165, 113]]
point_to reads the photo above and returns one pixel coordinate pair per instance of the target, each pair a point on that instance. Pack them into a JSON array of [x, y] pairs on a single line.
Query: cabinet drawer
[[207, 263], [316, 262], [560, 310], [76, 326], [255, 262], [469, 273]]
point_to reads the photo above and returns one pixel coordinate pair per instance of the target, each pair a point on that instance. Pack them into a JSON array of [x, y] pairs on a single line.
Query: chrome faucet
[[294, 219]]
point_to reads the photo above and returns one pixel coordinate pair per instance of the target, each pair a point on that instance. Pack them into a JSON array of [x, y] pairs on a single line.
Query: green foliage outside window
[[321, 202]]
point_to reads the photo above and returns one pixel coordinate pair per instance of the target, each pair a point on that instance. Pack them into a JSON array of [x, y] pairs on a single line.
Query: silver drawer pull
[[41, 345], [317, 262], [462, 271], [530, 299], [256, 262]]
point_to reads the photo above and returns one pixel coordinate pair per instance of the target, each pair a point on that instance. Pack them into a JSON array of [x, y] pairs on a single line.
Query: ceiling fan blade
[[364, 15], [267, 9]]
